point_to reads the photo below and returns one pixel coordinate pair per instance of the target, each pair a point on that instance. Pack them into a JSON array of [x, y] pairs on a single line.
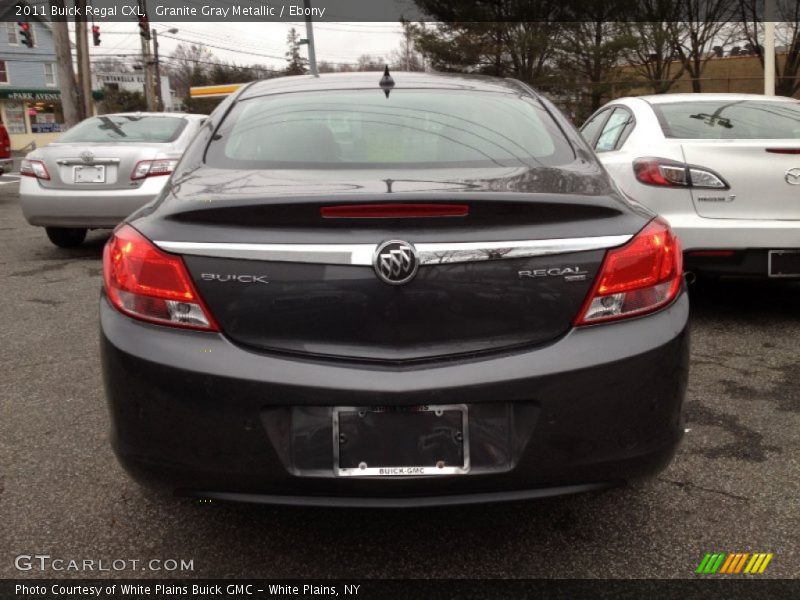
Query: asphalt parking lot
[[734, 486]]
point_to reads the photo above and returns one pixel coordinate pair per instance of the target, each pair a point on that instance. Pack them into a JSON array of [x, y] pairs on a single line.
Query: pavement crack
[[693, 486]]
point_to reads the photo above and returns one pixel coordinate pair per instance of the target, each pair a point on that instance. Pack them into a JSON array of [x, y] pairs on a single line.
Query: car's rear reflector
[[637, 278], [33, 168], [783, 150], [393, 210], [146, 283]]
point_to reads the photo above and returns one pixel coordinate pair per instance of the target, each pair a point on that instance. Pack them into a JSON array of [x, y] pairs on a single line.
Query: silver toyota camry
[[101, 170], [723, 169]]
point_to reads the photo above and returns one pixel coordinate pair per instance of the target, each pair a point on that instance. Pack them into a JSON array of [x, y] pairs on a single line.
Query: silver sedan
[[723, 169], [101, 170]]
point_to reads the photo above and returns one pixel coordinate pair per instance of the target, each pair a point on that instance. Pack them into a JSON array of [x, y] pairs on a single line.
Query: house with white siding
[[30, 105]]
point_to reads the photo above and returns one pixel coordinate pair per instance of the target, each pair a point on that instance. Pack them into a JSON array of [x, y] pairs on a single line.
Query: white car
[[101, 170], [723, 169]]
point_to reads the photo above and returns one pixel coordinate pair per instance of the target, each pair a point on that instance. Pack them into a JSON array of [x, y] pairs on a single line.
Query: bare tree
[[188, 66], [406, 57], [653, 56], [787, 33], [706, 26], [367, 62], [592, 49]]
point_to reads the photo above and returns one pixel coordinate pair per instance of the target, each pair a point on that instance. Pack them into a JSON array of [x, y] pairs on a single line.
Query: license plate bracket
[[400, 441], [783, 263], [89, 174]]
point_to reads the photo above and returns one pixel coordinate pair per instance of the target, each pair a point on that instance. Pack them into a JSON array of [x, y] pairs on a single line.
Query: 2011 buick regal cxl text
[[403, 290]]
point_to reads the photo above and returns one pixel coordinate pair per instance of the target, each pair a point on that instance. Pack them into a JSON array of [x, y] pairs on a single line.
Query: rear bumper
[[198, 415], [83, 208], [699, 233]]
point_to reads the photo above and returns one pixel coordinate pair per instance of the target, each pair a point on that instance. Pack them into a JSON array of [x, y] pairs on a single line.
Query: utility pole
[[144, 33], [82, 50], [159, 98], [66, 74], [769, 47], [312, 55]]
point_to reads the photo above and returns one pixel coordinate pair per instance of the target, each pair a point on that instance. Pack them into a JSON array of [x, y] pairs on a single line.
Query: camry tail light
[[153, 168], [639, 277], [148, 284], [668, 173], [33, 168]]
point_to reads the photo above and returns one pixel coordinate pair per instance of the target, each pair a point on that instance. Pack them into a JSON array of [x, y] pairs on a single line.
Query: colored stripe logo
[[720, 563]]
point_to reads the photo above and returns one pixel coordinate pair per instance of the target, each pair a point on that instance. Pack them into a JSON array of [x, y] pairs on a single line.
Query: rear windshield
[[410, 128], [126, 128], [731, 119]]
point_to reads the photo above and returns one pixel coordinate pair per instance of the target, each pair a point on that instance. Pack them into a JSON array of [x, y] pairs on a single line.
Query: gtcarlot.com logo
[[732, 563], [45, 562]]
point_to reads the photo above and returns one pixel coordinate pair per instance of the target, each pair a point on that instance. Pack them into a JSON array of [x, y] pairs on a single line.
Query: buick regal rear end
[[420, 292]]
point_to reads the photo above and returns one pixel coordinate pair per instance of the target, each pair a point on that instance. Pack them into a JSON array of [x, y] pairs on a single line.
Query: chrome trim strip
[[95, 161], [361, 254]]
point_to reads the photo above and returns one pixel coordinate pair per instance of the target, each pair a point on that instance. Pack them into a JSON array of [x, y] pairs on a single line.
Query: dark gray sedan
[[396, 291]]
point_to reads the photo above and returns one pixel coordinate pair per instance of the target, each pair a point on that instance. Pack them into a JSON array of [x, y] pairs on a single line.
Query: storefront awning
[[30, 95]]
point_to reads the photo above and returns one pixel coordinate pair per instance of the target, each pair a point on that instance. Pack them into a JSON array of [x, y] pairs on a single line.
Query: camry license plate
[[784, 263], [400, 441], [89, 174]]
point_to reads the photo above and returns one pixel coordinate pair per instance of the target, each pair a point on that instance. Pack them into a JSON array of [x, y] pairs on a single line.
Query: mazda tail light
[[33, 168], [640, 277], [668, 173], [153, 168], [146, 283]]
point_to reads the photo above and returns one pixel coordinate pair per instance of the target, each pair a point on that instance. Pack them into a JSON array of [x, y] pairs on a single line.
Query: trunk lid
[[88, 166], [278, 276], [756, 171]]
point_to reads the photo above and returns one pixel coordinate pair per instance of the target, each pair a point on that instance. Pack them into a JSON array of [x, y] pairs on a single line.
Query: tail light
[[149, 284], [393, 210], [667, 173], [5, 143], [637, 278], [33, 168], [153, 168]]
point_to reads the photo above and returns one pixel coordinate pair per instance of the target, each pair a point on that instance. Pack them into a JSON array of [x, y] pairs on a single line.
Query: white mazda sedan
[[723, 169]]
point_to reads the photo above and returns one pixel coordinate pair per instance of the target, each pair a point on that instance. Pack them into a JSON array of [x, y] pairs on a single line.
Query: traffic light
[[144, 27], [25, 34], [96, 34]]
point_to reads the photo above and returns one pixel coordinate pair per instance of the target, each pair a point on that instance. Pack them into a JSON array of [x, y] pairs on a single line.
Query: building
[[30, 105], [736, 72], [134, 82]]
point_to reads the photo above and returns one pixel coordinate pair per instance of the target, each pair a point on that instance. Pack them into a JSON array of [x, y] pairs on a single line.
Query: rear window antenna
[[386, 83]]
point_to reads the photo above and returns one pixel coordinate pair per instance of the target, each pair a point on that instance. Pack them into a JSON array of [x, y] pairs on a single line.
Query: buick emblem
[[792, 176], [87, 157], [395, 262]]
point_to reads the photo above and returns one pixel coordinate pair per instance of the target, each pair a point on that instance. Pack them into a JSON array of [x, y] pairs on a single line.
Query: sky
[[248, 43]]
